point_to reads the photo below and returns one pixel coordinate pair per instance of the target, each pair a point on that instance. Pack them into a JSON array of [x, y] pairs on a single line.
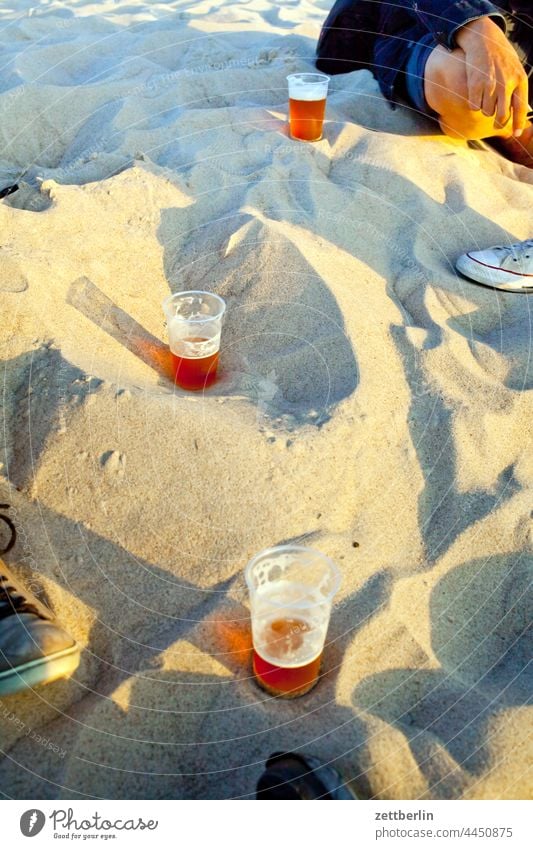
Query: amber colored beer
[[306, 118], [285, 637], [195, 372]]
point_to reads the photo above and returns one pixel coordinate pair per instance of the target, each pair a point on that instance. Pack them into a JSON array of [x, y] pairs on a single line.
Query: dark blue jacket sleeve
[[444, 17]]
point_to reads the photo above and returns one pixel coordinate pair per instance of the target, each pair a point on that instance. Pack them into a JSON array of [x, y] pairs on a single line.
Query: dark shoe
[[291, 776], [9, 190], [33, 649], [517, 150]]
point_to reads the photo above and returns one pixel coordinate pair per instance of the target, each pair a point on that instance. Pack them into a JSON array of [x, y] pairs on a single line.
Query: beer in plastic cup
[[291, 592], [307, 105], [194, 322]]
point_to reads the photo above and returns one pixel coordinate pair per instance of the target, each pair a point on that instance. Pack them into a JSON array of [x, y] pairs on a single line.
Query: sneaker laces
[[13, 600], [12, 597], [518, 251]]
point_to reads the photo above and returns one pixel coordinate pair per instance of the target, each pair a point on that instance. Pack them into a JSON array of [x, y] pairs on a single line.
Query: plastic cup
[[307, 105], [194, 323], [291, 592]]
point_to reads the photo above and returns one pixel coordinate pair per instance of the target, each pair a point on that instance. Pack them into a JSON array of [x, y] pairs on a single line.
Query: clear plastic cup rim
[[317, 78], [277, 549], [203, 319]]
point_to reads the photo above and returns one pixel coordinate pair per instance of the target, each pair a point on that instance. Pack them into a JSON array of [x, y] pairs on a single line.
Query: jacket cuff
[[499, 19], [444, 19]]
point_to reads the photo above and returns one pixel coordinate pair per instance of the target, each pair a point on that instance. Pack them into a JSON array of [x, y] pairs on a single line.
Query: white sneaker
[[507, 267]]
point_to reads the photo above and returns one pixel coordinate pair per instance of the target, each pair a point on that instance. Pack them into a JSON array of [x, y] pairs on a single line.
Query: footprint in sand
[[113, 464], [12, 278]]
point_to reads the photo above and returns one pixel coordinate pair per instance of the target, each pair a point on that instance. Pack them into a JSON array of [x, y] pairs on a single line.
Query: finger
[[481, 82], [490, 92], [519, 105], [489, 103], [503, 106], [476, 89]]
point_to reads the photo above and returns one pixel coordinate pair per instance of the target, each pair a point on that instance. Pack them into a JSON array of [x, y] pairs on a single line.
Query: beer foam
[[307, 92]]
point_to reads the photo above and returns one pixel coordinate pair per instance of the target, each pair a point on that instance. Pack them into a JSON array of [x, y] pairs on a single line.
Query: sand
[[371, 404]]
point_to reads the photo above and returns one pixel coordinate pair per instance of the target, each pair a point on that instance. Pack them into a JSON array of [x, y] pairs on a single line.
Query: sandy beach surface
[[371, 404]]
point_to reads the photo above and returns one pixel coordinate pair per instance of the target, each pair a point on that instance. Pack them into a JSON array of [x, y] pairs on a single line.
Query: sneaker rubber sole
[[468, 268], [42, 670]]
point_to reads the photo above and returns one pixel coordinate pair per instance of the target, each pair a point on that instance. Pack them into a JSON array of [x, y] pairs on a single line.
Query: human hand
[[497, 82]]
